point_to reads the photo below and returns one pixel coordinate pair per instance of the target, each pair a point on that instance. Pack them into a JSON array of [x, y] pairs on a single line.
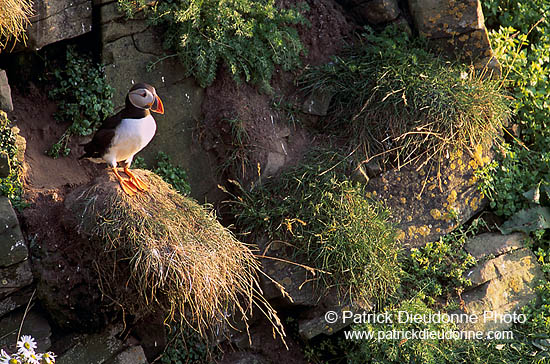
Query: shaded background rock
[[56, 20], [6, 103], [128, 48]]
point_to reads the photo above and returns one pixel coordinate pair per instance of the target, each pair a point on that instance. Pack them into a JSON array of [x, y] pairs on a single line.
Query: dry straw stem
[[14, 18], [163, 251]]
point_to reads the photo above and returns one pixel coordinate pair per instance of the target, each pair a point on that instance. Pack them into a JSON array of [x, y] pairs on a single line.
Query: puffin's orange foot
[[127, 186], [136, 181]]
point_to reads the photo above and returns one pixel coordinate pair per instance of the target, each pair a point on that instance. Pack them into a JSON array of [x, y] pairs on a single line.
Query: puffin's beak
[[157, 105]]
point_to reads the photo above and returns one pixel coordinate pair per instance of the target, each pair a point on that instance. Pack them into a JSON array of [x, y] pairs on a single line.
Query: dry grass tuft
[[14, 18], [393, 98], [164, 251]]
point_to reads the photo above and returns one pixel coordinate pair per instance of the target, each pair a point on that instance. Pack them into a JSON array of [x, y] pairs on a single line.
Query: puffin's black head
[[144, 96]]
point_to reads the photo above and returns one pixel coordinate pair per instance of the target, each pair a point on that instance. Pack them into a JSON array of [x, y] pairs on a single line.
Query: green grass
[[392, 96], [432, 279], [329, 223]]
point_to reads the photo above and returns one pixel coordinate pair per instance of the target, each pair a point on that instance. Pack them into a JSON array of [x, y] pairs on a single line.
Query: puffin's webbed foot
[[136, 181], [126, 185]]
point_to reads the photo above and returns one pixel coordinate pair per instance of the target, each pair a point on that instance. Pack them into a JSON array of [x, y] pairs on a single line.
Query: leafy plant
[[83, 98], [521, 40], [397, 99], [250, 37], [329, 222], [10, 186], [437, 269], [174, 175]]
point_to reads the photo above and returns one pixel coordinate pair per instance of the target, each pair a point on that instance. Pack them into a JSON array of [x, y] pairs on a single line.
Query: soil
[[33, 115], [267, 128], [62, 260]]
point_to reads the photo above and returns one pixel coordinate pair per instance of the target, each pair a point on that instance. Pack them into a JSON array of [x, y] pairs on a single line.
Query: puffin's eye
[[143, 94]]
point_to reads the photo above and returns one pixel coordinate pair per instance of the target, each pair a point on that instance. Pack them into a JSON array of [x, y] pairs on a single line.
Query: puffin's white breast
[[131, 136]]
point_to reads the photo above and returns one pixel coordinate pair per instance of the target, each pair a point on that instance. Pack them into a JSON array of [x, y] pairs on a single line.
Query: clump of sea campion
[[26, 353]]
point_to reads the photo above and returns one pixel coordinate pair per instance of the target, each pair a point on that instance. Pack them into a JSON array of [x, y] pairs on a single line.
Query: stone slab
[[491, 244], [56, 20], [12, 244], [15, 277]]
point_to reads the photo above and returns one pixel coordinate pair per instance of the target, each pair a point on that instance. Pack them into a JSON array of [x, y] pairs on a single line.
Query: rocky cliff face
[[194, 132]]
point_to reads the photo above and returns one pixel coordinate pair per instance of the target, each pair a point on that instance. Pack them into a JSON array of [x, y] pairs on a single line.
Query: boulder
[[456, 28], [502, 282], [446, 18], [5, 168], [378, 11], [317, 103], [6, 103], [55, 20], [294, 284], [96, 348], [317, 323], [129, 48], [15, 277], [491, 244], [12, 245], [14, 301], [132, 355], [426, 205]]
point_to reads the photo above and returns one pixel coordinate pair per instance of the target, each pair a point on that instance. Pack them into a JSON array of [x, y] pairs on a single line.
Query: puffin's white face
[[141, 98]]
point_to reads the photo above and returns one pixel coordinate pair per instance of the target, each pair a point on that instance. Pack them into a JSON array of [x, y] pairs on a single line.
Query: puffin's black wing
[[101, 141]]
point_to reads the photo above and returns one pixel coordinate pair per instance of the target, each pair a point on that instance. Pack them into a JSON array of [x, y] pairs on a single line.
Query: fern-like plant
[[249, 36]]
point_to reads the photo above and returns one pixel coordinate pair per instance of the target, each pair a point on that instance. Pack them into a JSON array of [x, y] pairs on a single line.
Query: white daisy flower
[[26, 345], [4, 357], [34, 358], [48, 358], [14, 360]]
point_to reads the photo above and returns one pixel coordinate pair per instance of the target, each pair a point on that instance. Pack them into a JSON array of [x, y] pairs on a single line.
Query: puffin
[[120, 137]]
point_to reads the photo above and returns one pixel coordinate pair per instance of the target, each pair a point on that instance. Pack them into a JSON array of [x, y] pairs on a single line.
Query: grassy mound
[[163, 251], [329, 223], [394, 98]]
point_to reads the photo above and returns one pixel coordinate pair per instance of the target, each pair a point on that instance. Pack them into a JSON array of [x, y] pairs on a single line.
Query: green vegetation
[[249, 37], [174, 175], [396, 98], [83, 98], [521, 39], [187, 347], [328, 221], [237, 160], [14, 18], [11, 186], [433, 275], [438, 267]]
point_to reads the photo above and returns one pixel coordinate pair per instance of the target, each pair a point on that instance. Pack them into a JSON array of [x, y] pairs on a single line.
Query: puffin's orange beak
[[157, 105]]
